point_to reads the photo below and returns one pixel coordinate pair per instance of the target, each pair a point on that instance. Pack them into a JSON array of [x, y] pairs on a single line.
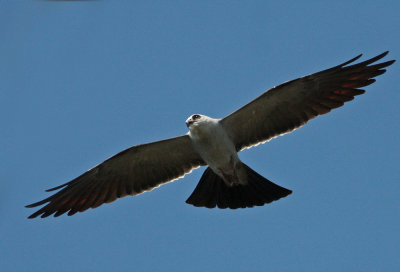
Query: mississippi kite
[[227, 182]]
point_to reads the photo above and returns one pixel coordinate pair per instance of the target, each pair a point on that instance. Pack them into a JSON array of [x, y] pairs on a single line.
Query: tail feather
[[212, 198], [207, 200], [213, 192]]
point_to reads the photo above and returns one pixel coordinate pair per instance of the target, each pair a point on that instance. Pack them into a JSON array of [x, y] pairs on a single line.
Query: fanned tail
[[212, 191]]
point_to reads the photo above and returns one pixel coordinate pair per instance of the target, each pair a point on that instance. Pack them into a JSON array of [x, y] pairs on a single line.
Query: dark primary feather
[[290, 105], [130, 172]]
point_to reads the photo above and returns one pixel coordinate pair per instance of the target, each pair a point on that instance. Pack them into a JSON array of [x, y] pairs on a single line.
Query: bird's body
[[216, 148], [227, 182]]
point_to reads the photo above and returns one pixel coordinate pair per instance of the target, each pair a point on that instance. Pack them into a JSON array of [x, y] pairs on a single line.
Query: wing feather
[[292, 104], [130, 172]]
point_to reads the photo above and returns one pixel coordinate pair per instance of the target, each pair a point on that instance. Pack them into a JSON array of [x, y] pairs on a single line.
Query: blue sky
[[80, 81]]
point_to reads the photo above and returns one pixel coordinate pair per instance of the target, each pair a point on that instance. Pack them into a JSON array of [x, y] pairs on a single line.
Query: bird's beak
[[188, 123]]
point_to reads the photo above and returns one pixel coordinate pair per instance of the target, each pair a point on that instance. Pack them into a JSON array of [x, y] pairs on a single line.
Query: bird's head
[[194, 119]]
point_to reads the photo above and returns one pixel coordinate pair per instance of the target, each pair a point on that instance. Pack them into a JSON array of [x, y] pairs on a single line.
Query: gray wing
[[290, 105], [130, 172]]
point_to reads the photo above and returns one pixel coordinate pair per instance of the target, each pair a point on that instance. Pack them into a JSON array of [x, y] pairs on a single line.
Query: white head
[[194, 120], [200, 121]]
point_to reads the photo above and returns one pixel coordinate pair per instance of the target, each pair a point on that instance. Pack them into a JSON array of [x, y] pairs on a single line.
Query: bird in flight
[[227, 182]]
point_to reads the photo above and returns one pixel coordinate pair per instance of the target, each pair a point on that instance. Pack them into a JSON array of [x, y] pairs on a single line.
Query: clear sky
[[80, 81]]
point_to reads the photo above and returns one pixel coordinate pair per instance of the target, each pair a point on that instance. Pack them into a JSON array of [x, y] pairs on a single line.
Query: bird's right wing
[[291, 104], [130, 172]]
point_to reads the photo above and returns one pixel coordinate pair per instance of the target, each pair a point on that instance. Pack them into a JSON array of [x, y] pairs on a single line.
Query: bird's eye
[[196, 116]]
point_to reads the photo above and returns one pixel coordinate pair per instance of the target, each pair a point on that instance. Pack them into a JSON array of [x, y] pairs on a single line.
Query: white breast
[[213, 144]]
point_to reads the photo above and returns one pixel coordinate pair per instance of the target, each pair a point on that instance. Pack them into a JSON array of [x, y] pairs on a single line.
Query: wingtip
[[374, 59], [385, 53], [56, 188], [33, 205], [351, 60], [380, 56], [33, 215]]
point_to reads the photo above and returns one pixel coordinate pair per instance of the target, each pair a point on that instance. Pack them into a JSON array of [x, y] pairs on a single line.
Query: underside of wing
[[130, 172], [290, 105]]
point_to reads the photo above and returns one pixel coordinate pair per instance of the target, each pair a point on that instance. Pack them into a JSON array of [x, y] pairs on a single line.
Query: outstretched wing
[[290, 105], [130, 172]]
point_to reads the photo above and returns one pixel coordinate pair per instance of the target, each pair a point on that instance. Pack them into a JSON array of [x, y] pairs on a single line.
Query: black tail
[[212, 191]]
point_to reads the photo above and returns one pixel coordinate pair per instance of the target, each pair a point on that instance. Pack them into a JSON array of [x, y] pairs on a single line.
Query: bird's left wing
[[130, 172], [290, 105]]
